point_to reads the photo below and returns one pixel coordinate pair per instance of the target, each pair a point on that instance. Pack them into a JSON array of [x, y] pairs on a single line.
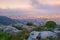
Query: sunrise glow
[[31, 7]]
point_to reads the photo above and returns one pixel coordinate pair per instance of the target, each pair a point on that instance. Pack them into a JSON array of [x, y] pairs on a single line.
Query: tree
[[50, 24]]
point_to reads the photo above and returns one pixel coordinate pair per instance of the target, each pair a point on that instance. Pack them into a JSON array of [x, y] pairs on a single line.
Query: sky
[[30, 7]]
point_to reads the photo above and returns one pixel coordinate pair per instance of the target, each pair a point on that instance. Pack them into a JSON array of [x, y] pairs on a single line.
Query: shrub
[[30, 24], [50, 24], [17, 27]]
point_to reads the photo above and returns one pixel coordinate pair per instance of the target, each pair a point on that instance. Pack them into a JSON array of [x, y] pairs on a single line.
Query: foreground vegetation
[[20, 36], [49, 26]]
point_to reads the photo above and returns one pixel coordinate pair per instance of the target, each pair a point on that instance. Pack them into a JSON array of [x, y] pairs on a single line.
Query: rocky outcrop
[[42, 35], [9, 29]]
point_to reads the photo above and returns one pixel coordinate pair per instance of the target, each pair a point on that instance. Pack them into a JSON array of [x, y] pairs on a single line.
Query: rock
[[33, 35], [56, 30], [45, 34], [28, 27], [9, 29], [42, 34]]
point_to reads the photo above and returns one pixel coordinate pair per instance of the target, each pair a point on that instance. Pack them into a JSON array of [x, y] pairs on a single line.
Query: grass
[[5, 36], [20, 36]]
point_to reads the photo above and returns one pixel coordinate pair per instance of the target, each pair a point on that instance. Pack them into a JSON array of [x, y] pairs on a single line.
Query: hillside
[[7, 21]]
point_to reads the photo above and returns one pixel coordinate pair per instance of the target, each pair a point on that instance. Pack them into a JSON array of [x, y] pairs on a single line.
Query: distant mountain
[[40, 21], [7, 21]]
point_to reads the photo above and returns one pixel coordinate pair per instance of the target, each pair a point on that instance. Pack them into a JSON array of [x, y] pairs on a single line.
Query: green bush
[[40, 28], [29, 24], [17, 27], [50, 24]]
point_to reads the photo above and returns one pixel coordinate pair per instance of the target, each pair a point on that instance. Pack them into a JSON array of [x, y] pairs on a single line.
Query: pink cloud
[[13, 4], [49, 2]]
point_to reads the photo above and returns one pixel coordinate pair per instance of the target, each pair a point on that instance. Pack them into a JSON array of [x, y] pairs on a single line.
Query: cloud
[[21, 12], [49, 2], [13, 4], [41, 4], [17, 7], [46, 3]]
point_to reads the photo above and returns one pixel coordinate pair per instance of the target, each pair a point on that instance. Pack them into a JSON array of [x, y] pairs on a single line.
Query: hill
[[7, 21]]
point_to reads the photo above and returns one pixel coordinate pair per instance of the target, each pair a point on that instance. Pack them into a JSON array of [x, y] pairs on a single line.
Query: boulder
[[42, 35], [9, 29]]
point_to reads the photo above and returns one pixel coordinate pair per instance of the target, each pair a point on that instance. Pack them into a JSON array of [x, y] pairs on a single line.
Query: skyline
[[30, 7]]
